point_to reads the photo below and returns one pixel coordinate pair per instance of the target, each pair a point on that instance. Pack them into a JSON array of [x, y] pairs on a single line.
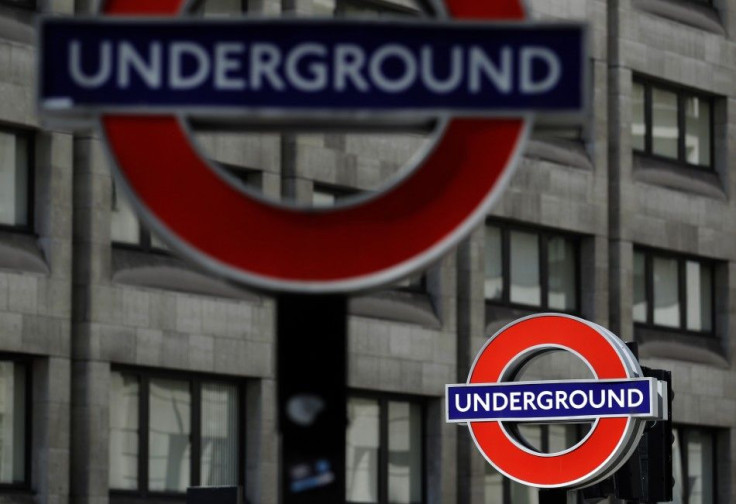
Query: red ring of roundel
[[588, 457], [252, 241]]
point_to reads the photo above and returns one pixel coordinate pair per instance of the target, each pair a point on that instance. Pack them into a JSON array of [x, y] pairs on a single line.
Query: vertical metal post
[[311, 369], [558, 496]]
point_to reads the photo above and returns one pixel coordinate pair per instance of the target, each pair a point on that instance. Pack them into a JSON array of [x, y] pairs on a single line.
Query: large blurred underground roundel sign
[[618, 402], [143, 68]]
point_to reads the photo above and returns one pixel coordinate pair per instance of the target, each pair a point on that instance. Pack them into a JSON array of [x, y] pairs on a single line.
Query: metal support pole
[[311, 368], [558, 496]]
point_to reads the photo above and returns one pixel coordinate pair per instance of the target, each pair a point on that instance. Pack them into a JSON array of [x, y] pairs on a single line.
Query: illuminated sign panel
[[552, 400], [306, 65]]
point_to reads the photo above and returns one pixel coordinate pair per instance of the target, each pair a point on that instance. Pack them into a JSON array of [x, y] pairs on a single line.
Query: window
[[384, 451], [221, 8], [550, 438], [16, 179], [694, 466], [557, 132], [15, 432], [168, 433], [673, 292], [126, 229], [413, 283], [531, 268], [672, 123]]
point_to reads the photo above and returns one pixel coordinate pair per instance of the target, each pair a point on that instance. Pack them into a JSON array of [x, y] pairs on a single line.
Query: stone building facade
[[127, 374]]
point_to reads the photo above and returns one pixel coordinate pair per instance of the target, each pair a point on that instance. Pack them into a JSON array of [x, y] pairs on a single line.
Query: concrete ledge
[[142, 269], [687, 12], [704, 182], [17, 24], [397, 306], [662, 344], [21, 252], [564, 152]]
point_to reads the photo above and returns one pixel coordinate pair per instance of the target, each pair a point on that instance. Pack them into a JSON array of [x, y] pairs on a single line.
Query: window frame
[[27, 362], [144, 243], [682, 432], [682, 259], [682, 92], [30, 137], [543, 235], [383, 399], [195, 381]]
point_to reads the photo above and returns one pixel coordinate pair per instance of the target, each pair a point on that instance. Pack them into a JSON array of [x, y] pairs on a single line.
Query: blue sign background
[[567, 42], [596, 387]]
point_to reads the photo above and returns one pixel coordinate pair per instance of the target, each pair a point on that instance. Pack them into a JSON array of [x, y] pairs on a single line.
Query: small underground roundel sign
[[618, 401], [144, 68]]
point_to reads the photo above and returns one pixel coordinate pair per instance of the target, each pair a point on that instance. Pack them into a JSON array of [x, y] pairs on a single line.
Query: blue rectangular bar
[[318, 65], [547, 401]]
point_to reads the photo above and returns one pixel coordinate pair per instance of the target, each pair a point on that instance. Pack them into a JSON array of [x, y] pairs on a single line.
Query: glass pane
[[525, 288], [565, 436], [638, 124], [13, 179], [157, 243], [362, 450], [666, 293], [169, 435], [492, 486], [677, 488], [350, 8], [522, 494], [323, 198], [221, 8], [493, 263], [404, 453], [640, 288], [323, 8], [532, 434], [699, 297], [12, 422], [700, 467], [124, 225], [220, 443], [561, 437], [21, 180], [697, 134], [415, 283], [562, 277], [556, 132], [665, 131], [124, 393]]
